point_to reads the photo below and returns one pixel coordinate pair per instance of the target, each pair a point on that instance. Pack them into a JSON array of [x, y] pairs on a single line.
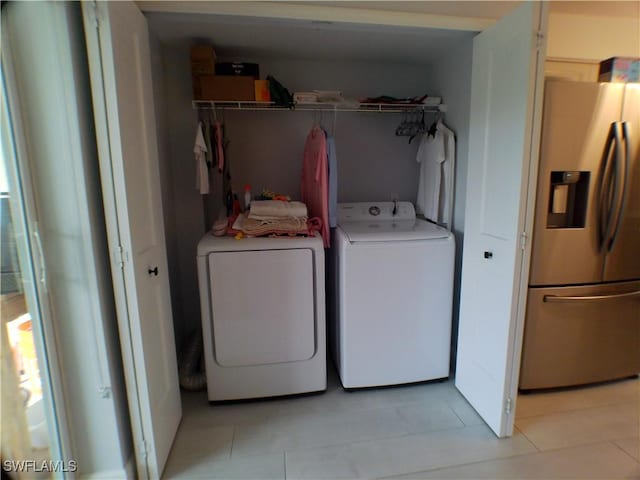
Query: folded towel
[[305, 97], [273, 209], [282, 225]]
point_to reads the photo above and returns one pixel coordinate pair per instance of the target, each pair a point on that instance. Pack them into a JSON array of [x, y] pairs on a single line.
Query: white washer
[[393, 295], [263, 316]]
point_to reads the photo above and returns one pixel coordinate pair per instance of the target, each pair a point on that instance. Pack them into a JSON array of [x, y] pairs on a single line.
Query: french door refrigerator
[[583, 312]]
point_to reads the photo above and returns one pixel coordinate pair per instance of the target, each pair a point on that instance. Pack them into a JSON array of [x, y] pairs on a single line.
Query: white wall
[[188, 222], [266, 148], [589, 37], [166, 170], [47, 49], [451, 79]]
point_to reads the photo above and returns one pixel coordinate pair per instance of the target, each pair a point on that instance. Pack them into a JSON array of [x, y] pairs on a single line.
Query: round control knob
[[375, 211]]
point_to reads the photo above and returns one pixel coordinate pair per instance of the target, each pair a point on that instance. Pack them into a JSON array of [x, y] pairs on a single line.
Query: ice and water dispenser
[[568, 199]]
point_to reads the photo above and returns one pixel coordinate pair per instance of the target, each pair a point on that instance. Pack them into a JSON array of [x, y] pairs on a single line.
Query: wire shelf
[[319, 107]]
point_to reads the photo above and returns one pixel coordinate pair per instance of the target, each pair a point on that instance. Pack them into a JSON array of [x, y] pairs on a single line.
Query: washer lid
[[390, 231]]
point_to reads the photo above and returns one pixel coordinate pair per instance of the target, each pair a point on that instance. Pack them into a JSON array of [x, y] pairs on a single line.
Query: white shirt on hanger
[[446, 190], [199, 151], [436, 156], [431, 154]]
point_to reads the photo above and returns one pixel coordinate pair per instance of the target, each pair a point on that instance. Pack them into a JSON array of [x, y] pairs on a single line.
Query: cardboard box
[[620, 69], [262, 92], [203, 60], [224, 88]]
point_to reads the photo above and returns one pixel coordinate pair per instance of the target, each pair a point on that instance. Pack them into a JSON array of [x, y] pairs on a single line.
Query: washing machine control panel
[[367, 211]]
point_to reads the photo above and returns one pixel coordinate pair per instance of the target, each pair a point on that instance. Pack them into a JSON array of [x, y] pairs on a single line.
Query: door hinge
[[539, 38], [42, 270], [121, 257], [105, 392], [143, 449], [94, 14], [523, 240], [508, 406]]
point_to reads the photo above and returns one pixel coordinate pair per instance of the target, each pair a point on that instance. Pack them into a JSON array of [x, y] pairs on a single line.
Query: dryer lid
[[392, 231]]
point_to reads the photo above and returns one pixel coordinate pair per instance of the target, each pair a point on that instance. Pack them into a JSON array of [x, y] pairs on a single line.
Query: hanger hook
[[335, 121]]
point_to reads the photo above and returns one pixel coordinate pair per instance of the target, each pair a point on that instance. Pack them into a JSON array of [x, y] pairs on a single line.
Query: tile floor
[[418, 431]]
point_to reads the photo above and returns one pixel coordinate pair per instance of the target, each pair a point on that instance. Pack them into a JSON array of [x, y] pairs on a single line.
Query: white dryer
[[393, 293], [263, 316]]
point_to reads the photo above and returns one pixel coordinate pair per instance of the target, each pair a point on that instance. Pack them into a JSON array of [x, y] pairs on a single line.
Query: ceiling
[[629, 8], [464, 15], [490, 9], [246, 37], [476, 9], [410, 32], [250, 38]]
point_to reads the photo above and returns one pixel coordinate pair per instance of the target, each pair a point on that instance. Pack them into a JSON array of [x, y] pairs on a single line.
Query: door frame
[[26, 225], [529, 190], [100, 35], [503, 374], [116, 253]]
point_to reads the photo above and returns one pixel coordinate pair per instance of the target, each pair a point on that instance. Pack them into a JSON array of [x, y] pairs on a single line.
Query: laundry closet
[[265, 150]]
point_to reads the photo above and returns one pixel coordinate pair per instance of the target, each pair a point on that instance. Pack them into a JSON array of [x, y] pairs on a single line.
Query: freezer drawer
[[579, 335]]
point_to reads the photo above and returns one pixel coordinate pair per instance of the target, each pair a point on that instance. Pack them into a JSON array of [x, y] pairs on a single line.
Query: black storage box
[[240, 68]]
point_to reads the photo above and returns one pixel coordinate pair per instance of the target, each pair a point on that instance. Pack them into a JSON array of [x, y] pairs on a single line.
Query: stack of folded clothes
[[274, 217]]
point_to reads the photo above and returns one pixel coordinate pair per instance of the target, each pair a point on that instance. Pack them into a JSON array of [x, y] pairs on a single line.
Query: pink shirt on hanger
[[315, 181]]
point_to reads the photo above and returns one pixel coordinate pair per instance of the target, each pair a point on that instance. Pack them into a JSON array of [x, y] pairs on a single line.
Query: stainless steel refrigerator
[[583, 312]]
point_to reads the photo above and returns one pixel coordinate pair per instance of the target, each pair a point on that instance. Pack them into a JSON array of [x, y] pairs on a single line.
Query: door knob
[[153, 271], [488, 254]]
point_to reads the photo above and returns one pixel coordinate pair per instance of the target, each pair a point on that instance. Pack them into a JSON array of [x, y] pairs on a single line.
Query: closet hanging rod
[[317, 107]]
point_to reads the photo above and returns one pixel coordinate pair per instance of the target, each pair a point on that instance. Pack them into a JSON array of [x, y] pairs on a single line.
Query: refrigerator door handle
[[621, 172], [604, 189], [589, 298]]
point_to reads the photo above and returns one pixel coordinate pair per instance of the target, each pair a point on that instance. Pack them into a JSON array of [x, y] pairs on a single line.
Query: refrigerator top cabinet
[[587, 220]]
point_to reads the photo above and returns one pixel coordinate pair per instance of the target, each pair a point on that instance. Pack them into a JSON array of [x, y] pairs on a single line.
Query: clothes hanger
[[421, 126], [335, 122], [316, 119], [405, 124], [434, 126]]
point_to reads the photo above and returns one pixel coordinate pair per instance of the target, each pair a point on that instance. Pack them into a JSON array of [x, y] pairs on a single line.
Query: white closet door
[[504, 135], [119, 61]]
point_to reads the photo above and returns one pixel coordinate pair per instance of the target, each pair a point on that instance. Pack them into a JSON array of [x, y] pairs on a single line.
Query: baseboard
[[126, 473], [130, 467]]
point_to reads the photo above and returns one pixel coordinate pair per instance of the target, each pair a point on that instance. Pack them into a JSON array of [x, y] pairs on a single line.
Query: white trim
[[321, 13], [528, 192], [572, 60], [20, 167], [74, 132], [94, 13], [125, 473]]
